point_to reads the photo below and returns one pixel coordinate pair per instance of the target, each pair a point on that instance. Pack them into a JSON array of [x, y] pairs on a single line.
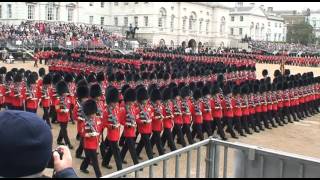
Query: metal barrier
[[247, 162]]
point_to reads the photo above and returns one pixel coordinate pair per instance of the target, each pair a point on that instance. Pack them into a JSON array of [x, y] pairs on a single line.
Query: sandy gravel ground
[[300, 137]]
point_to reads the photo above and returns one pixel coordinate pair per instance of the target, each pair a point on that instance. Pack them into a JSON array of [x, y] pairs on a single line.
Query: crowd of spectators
[[280, 46], [58, 34]]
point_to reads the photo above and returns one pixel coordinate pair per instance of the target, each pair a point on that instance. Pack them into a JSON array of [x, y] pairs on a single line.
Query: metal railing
[[241, 160]]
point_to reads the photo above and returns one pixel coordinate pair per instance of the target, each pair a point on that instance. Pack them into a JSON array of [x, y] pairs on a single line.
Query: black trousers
[[71, 113], [53, 114], [245, 124], [275, 115], [197, 130], [115, 151], [156, 140], [104, 146], [63, 134], [129, 144], [79, 150], [145, 142], [167, 136], [31, 110], [46, 115], [91, 158], [271, 119], [186, 131], [265, 119], [227, 121], [207, 128], [293, 113], [252, 122], [236, 122], [286, 113], [122, 140], [217, 123], [177, 130]]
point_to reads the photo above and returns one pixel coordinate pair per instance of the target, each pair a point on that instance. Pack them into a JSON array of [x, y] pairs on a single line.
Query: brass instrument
[[207, 105], [112, 119], [90, 128], [130, 120], [17, 90], [217, 102], [169, 113], [143, 115], [176, 108], [185, 108], [44, 92], [157, 113], [62, 104]]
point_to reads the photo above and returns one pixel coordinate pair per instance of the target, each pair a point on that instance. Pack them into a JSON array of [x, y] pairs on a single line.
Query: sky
[[281, 5]]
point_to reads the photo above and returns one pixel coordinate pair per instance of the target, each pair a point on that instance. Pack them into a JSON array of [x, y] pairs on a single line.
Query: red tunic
[[186, 104], [128, 131], [113, 133], [144, 123], [157, 117], [167, 111], [63, 117], [196, 112]]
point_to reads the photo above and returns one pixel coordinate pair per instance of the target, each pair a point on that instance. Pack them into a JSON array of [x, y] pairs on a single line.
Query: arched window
[[172, 44], [162, 18], [222, 25], [172, 23], [184, 22]]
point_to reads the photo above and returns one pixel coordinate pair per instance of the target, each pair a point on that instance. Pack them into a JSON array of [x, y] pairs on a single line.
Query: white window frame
[[126, 21], [231, 31], [240, 31], [57, 13], [146, 21], [102, 5], [232, 18], [91, 19], [172, 23], [207, 27], [70, 14], [136, 21], [116, 21], [9, 14], [241, 18], [31, 10], [102, 21], [49, 11]]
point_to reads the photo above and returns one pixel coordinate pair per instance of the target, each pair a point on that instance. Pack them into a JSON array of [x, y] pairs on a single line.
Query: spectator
[[26, 147]]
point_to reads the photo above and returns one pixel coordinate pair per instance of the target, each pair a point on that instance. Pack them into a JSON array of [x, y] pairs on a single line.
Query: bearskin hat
[[166, 76], [142, 94], [124, 88], [62, 87], [79, 78], [100, 77], [166, 94], [236, 90], [185, 91], [206, 90], [172, 85], [200, 84], [119, 76], [155, 95], [42, 72], [31, 80], [17, 78], [277, 73], [151, 88], [90, 107], [95, 91], [129, 95], [3, 70], [262, 88], [111, 78], [265, 73], [92, 78], [175, 92], [145, 76], [47, 79], [136, 78], [112, 95], [287, 72], [56, 78], [82, 92], [68, 78], [197, 94], [35, 75]]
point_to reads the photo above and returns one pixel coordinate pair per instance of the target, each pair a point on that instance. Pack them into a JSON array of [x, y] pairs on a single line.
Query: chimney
[[262, 7], [270, 9], [252, 4]]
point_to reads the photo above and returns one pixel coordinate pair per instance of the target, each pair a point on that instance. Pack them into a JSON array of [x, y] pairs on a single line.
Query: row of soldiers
[[158, 113]]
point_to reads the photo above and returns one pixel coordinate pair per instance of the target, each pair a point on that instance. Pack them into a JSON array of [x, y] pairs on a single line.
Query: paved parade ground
[[299, 137]]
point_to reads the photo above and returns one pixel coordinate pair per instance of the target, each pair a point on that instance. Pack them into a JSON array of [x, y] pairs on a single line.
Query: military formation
[[135, 102]]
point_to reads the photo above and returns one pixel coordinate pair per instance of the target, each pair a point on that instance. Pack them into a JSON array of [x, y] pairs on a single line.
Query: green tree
[[300, 33]]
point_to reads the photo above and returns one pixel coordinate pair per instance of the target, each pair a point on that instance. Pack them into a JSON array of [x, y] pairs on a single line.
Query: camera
[[51, 161]]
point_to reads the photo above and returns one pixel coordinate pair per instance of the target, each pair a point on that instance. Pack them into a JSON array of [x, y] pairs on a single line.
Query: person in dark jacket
[[33, 138]]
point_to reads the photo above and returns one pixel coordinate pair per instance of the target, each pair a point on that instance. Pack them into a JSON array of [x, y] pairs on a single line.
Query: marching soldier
[[168, 119], [143, 119], [113, 125], [128, 121], [197, 115], [31, 99], [62, 105], [207, 110], [238, 124], [45, 97], [157, 119], [178, 118], [82, 96], [187, 116], [91, 133], [18, 93]]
